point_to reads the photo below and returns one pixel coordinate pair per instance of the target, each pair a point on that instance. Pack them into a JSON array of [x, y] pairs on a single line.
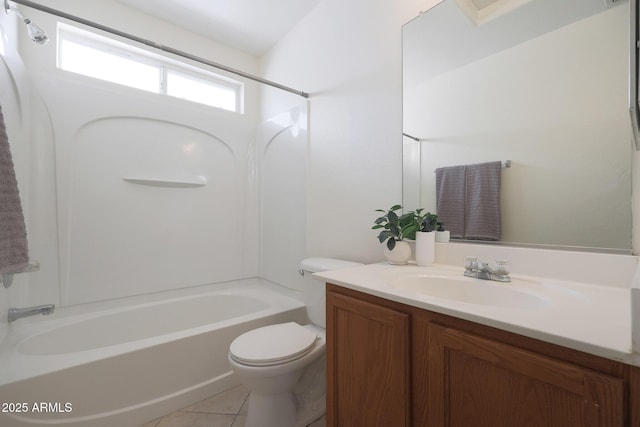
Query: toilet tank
[[314, 290]]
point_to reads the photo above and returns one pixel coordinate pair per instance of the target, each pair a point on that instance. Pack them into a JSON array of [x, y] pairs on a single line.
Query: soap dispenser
[[442, 236]]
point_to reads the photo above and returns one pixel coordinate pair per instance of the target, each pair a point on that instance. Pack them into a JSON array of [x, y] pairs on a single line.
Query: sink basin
[[470, 291]]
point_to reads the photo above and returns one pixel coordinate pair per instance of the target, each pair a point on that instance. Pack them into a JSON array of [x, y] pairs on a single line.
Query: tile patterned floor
[[227, 409]]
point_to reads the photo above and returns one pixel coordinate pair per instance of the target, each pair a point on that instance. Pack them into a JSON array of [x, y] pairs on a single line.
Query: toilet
[[283, 365]]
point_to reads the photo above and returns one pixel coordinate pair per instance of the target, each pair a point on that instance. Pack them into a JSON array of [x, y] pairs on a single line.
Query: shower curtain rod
[[411, 137], [153, 45]]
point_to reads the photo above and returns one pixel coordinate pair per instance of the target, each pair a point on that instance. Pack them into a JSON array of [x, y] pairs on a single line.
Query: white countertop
[[587, 317]]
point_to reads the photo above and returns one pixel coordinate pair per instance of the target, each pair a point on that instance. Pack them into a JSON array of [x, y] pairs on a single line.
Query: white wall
[[347, 54]]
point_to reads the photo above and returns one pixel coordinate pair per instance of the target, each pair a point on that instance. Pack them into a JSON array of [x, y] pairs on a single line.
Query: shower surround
[[128, 192], [132, 196]]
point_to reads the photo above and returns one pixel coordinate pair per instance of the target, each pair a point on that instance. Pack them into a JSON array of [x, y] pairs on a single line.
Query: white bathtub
[[125, 362]]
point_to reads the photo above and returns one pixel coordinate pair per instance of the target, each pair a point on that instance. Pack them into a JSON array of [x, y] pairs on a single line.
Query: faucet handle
[[470, 262], [502, 267]]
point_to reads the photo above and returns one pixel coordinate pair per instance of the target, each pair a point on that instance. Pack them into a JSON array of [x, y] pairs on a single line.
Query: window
[[81, 59], [102, 58], [200, 90]]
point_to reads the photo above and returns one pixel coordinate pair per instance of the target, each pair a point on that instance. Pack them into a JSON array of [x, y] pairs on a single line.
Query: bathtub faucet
[[17, 313]]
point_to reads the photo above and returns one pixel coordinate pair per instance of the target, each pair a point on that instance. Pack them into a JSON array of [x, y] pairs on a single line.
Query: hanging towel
[[14, 256], [482, 204], [450, 199]]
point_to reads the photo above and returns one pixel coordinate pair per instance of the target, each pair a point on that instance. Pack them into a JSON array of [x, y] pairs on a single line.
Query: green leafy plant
[[395, 228], [426, 221]]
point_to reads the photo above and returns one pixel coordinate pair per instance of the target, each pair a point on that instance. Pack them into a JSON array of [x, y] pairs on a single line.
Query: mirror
[[544, 86]]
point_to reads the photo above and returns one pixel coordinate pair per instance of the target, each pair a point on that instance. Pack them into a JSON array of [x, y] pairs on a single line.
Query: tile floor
[[227, 409]]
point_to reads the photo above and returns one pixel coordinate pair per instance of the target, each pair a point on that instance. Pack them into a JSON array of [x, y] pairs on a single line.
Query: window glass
[[103, 65], [205, 92]]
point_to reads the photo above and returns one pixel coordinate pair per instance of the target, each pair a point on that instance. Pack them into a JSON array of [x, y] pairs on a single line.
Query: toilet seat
[[272, 345]]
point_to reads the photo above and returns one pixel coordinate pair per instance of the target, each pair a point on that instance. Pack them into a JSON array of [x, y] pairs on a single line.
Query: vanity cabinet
[[474, 381], [390, 364], [369, 364]]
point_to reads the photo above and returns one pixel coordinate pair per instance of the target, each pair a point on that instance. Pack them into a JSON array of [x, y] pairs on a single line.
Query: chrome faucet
[[17, 313], [482, 270]]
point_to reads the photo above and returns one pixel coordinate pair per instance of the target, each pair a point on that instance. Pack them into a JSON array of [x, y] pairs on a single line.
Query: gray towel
[[482, 204], [14, 255], [450, 199]]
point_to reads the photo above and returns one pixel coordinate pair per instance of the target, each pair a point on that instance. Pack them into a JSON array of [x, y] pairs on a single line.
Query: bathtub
[[128, 361]]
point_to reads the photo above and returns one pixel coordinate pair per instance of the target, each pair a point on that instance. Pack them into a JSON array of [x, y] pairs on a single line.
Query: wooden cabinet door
[[474, 381], [367, 364]]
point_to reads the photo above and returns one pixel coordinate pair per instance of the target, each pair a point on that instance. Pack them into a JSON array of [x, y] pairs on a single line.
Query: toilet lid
[[273, 344]]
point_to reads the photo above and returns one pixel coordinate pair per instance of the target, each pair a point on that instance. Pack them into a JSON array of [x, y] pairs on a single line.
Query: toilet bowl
[[283, 365], [272, 401]]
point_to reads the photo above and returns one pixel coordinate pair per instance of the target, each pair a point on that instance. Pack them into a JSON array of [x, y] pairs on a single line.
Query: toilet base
[[310, 393], [273, 410]]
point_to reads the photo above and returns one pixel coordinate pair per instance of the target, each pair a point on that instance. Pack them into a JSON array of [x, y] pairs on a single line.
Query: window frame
[[163, 63]]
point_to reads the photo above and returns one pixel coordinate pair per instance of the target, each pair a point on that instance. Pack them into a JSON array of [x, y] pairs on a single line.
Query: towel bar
[[7, 278], [505, 164]]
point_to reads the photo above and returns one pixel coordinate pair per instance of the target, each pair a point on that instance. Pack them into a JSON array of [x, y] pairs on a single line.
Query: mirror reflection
[[543, 86]]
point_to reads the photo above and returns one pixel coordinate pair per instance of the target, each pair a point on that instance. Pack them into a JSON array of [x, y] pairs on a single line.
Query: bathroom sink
[[469, 290]]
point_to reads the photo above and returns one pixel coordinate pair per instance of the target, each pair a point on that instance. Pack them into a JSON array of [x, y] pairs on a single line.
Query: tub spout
[[17, 313]]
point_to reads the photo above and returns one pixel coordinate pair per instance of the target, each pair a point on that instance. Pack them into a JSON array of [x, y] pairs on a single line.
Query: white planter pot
[[399, 255], [425, 248]]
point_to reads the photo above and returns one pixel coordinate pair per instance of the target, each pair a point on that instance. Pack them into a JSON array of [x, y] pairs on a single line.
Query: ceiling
[[253, 26]]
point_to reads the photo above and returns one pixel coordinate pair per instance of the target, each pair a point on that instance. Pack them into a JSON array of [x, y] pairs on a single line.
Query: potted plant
[[426, 224], [393, 230]]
